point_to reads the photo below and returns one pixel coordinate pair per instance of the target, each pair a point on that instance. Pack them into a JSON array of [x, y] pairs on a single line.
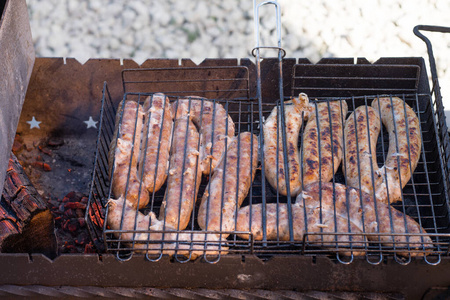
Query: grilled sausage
[[374, 216], [360, 166], [273, 146], [156, 142], [147, 234], [214, 124], [124, 152], [347, 206], [361, 132], [323, 141], [326, 220], [229, 184], [404, 146], [184, 175]]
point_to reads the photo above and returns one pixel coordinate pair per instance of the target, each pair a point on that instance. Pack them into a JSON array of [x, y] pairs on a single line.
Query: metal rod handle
[[281, 116]]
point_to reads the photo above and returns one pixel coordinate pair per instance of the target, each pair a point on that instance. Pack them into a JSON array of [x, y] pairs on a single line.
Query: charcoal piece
[[26, 224]]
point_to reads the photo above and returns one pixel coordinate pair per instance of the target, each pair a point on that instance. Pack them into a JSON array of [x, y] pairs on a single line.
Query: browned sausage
[[147, 234], [184, 175], [273, 146], [214, 124], [325, 220], [229, 184], [156, 142], [405, 144], [323, 140], [325, 204], [360, 166], [124, 151]]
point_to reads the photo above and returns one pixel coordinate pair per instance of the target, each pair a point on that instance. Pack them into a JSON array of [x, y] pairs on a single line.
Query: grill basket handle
[[443, 134]]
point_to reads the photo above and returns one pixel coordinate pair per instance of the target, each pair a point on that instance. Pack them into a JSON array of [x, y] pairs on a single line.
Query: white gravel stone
[[201, 29]]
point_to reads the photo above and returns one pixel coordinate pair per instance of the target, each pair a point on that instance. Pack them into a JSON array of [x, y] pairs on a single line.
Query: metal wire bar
[[218, 82], [281, 111]]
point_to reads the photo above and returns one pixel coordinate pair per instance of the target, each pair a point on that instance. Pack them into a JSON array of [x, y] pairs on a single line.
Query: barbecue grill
[[63, 93]]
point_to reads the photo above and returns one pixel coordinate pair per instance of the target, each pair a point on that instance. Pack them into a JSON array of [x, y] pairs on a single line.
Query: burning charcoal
[[58, 221], [89, 248], [41, 165], [74, 205], [69, 249], [74, 196], [82, 238], [70, 225], [61, 208], [45, 150], [65, 224], [53, 203]]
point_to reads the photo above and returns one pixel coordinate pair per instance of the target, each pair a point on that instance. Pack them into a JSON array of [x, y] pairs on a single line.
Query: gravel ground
[[201, 29]]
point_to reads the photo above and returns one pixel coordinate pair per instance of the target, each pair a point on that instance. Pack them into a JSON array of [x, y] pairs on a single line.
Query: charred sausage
[[323, 141]]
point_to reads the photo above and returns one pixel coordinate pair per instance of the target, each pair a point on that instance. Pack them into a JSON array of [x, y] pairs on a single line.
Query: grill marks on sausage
[[385, 183], [124, 151], [322, 144], [229, 184], [331, 208], [404, 150], [214, 124], [157, 138], [361, 139], [323, 141], [273, 149], [139, 231], [184, 175]]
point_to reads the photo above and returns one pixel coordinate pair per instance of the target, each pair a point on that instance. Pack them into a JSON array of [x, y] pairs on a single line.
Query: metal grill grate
[[424, 197]]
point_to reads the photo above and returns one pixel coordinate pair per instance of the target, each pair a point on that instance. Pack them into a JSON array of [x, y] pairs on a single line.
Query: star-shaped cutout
[[33, 123], [91, 123]]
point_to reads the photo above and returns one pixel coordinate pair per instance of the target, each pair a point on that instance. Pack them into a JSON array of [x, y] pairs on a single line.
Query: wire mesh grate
[[423, 198]]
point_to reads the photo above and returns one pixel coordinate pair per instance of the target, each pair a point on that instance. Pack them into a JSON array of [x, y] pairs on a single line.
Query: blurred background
[[199, 29]]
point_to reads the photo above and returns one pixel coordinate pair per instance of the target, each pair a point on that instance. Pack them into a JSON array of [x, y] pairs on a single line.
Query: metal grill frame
[[438, 198], [266, 247], [243, 110]]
